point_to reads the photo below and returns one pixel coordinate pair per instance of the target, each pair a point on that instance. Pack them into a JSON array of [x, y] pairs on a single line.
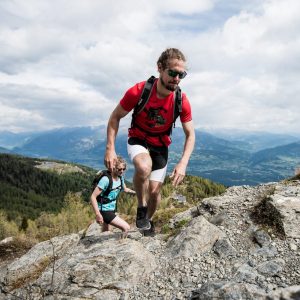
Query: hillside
[[29, 188]]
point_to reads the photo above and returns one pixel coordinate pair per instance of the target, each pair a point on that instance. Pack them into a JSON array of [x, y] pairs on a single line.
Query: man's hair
[[168, 54], [120, 161]]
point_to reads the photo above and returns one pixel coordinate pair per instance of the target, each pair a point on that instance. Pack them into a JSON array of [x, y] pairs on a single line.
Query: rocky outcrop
[[244, 244]]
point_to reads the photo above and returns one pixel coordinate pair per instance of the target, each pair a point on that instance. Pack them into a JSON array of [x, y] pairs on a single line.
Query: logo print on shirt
[[154, 117]]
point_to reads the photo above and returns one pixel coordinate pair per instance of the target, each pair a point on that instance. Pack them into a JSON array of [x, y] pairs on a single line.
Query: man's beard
[[168, 87]]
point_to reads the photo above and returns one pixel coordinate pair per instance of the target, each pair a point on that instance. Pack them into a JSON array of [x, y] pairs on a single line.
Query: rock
[[219, 219], [223, 248], [287, 202], [198, 237], [187, 215], [262, 238], [289, 293], [293, 247], [216, 204], [230, 291], [270, 268], [267, 251], [37, 260], [6, 240], [247, 274]]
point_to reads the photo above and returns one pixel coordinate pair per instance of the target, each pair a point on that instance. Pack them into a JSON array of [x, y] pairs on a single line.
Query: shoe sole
[[148, 234], [144, 228]]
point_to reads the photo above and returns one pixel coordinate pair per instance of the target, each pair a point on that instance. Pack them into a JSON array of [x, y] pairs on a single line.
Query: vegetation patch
[[166, 229], [27, 191], [266, 215], [15, 248], [296, 177], [31, 275], [59, 168]]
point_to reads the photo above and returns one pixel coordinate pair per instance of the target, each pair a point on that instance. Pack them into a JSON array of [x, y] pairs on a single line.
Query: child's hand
[[99, 219], [129, 191]]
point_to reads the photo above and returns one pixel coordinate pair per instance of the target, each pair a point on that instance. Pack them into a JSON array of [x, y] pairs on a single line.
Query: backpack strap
[[144, 97], [144, 100], [122, 182], [110, 183], [103, 198], [178, 105]]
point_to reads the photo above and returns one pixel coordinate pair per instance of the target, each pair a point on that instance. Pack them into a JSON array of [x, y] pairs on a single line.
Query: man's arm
[[112, 130], [179, 170]]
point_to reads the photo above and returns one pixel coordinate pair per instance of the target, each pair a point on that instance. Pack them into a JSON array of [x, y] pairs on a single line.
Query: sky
[[69, 62]]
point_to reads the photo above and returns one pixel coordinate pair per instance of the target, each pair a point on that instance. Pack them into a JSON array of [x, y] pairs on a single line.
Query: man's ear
[[159, 67]]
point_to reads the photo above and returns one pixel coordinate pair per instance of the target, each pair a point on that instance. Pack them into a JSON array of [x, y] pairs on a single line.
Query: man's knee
[[143, 169]]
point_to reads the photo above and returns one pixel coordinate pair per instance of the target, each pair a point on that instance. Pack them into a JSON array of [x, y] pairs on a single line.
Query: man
[[149, 135]]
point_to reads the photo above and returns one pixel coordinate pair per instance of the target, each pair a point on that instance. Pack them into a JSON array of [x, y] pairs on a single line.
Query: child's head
[[120, 165]]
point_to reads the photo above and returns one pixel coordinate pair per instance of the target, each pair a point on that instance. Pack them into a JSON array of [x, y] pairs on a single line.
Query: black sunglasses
[[121, 169], [174, 73]]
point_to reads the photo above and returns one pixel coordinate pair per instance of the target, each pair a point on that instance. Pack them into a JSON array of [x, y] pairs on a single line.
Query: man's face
[[170, 77]]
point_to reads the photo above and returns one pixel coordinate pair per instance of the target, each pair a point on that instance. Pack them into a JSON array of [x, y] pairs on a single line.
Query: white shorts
[[158, 173]]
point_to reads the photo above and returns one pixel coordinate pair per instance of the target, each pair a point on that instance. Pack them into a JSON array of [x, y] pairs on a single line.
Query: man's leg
[[142, 164], [154, 197], [156, 181], [153, 203], [139, 155]]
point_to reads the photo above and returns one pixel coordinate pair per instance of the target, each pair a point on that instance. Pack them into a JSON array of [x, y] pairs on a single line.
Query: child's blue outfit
[[108, 204]]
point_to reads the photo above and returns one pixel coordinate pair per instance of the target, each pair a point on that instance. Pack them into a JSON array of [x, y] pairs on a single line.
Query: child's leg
[[121, 224], [105, 227]]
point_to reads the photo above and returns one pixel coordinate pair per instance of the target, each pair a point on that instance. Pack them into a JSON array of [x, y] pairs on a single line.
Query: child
[[105, 207]]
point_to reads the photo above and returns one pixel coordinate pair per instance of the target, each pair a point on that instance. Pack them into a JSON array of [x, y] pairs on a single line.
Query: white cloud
[[67, 63]]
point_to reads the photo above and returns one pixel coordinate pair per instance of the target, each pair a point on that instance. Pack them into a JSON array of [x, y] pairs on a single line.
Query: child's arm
[[97, 191], [128, 190]]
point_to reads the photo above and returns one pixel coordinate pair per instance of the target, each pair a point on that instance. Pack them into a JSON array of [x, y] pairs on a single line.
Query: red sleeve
[[186, 114], [132, 96]]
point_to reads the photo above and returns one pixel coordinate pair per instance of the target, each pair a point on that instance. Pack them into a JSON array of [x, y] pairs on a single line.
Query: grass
[[267, 216], [173, 231], [31, 276]]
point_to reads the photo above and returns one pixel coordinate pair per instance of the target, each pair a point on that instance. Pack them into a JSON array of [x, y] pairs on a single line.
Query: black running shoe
[[141, 219], [151, 231]]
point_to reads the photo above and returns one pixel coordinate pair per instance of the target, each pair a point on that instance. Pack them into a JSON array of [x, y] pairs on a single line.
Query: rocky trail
[[244, 244]]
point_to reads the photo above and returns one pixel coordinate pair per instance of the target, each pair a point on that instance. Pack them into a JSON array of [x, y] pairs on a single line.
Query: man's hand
[[112, 130], [110, 159], [178, 174], [99, 219]]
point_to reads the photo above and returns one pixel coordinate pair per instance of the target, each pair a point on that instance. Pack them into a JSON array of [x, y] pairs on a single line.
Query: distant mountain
[[234, 163], [256, 141], [63, 143], [230, 162], [4, 150], [284, 159], [10, 140]]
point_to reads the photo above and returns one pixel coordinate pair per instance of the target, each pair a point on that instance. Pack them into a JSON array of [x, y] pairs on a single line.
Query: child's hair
[[120, 161]]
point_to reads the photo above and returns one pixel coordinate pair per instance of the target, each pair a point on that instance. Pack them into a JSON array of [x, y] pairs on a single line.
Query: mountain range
[[229, 158]]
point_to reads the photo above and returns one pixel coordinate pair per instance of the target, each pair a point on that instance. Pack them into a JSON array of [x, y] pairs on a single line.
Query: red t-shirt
[[157, 115]]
